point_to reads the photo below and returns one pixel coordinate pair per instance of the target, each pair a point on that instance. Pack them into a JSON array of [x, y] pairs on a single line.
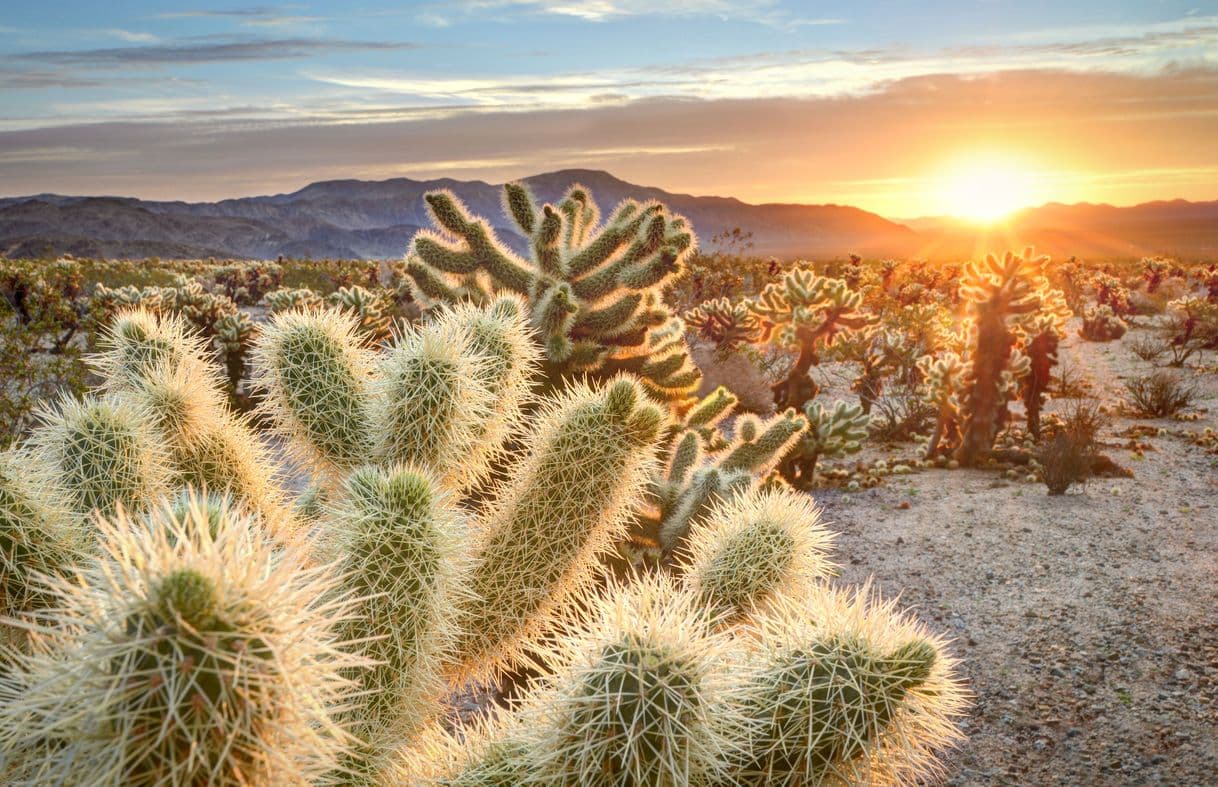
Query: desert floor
[[1087, 624]]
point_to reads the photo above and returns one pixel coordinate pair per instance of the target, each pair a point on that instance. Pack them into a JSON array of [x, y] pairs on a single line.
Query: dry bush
[[1072, 381], [739, 373], [1148, 347], [1068, 455], [1159, 395]]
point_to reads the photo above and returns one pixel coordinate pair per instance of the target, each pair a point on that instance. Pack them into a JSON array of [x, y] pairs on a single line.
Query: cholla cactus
[[593, 289], [1000, 295], [316, 377], [1192, 327], [562, 507], [430, 404], [1101, 324], [234, 337], [831, 432], [289, 299], [138, 340], [397, 536], [183, 656], [848, 691], [500, 336], [38, 535], [694, 477], [106, 453], [943, 380], [368, 308], [724, 323], [805, 313], [641, 695], [755, 547]]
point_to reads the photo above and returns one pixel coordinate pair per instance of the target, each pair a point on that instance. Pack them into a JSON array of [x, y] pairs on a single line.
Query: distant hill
[[377, 219]]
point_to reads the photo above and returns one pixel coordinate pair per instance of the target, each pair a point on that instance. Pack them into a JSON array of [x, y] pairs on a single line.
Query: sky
[[903, 108]]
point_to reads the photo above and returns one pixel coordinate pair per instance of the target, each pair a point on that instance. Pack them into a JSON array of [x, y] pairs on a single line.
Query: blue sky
[[203, 100]]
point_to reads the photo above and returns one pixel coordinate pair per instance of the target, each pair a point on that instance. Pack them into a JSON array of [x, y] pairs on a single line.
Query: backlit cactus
[[106, 453], [38, 535], [703, 467], [724, 323], [183, 656], [562, 507], [805, 313], [429, 403], [592, 288], [847, 691], [835, 431], [755, 547]]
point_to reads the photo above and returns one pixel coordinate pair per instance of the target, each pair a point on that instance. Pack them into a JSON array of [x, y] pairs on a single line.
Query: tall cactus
[[1000, 295], [183, 656], [593, 288]]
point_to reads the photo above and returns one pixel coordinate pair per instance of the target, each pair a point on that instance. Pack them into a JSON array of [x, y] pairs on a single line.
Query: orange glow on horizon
[[985, 188]]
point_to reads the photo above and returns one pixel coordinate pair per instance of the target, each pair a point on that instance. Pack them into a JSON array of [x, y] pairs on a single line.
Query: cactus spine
[[315, 375], [755, 547], [642, 696]]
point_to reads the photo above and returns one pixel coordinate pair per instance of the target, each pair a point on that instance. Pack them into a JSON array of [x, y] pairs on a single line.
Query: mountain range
[[377, 219]]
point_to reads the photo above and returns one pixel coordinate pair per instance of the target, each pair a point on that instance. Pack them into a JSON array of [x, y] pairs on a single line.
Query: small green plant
[[835, 431]]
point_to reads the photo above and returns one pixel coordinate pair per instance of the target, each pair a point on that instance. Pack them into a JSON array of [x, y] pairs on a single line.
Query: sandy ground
[[1087, 623]]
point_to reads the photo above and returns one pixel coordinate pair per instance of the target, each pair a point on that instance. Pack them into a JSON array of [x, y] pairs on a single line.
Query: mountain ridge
[[349, 217]]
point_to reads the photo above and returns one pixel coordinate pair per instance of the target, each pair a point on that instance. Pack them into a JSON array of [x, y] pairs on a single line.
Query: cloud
[[131, 37], [232, 49], [1111, 137]]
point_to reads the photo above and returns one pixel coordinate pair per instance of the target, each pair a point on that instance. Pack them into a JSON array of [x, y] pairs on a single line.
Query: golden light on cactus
[[754, 547], [849, 690], [195, 650], [561, 508], [643, 692]]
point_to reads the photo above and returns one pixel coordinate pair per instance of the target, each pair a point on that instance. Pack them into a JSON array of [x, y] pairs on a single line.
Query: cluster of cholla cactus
[[1014, 321], [247, 282], [371, 309], [1192, 326], [1101, 324], [177, 620], [724, 323], [805, 313], [593, 288]]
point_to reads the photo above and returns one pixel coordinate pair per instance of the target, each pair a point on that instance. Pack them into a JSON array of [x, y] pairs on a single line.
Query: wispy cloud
[[233, 49], [131, 36]]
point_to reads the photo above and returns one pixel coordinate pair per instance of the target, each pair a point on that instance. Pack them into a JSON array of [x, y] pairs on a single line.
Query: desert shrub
[[1148, 347], [245, 282], [1192, 327], [1067, 455], [1159, 395], [42, 325]]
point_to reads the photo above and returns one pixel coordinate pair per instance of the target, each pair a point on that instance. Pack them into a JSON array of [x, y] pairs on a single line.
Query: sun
[[986, 190]]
